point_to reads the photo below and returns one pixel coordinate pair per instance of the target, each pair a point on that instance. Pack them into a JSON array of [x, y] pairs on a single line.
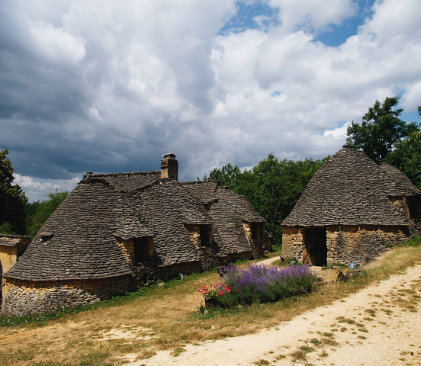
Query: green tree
[[43, 211], [12, 199], [407, 157], [272, 187], [381, 129], [228, 175]]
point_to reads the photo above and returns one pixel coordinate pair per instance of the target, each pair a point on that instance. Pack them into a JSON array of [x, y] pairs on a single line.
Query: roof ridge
[[151, 172]]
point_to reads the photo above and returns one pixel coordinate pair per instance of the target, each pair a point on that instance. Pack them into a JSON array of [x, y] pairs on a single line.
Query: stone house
[[116, 232], [351, 210]]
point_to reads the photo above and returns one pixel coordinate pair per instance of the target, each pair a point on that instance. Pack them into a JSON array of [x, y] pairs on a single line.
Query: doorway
[[315, 243]]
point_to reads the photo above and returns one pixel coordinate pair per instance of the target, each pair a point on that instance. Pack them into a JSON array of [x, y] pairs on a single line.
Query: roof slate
[[12, 240], [82, 245], [351, 189], [82, 231]]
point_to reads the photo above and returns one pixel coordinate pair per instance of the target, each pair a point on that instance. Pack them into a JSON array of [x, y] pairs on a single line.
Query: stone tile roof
[[165, 208], [228, 212], [10, 240], [351, 189], [128, 181], [398, 184], [81, 241], [82, 245]]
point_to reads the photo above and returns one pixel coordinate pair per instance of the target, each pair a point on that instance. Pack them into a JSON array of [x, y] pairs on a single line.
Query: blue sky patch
[[335, 35], [251, 15]]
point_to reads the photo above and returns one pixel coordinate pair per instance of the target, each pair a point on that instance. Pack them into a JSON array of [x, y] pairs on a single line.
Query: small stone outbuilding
[[351, 211], [116, 232]]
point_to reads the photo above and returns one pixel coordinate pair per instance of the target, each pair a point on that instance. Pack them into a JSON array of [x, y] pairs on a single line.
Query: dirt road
[[380, 325]]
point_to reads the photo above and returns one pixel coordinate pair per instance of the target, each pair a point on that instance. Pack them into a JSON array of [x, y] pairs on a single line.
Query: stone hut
[[116, 232], [351, 211]]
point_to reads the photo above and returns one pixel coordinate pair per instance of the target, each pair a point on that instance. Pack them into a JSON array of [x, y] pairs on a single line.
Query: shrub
[[259, 283]]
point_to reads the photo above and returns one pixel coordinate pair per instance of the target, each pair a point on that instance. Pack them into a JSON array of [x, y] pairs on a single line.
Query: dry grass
[[168, 318]]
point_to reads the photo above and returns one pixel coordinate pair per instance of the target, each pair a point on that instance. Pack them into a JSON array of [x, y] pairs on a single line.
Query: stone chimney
[[169, 167]]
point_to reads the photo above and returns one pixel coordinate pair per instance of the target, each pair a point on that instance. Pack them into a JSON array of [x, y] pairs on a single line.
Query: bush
[[259, 283]]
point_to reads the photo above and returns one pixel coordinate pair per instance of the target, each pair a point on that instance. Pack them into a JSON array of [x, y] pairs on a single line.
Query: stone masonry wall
[[345, 244], [360, 244], [24, 297], [293, 243]]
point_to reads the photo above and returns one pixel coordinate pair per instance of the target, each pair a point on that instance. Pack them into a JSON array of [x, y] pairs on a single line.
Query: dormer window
[[143, 249], [46, 236], [200, 235], [206, 234]]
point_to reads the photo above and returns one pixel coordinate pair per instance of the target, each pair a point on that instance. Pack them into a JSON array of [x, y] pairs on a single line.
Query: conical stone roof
[[352, 189]]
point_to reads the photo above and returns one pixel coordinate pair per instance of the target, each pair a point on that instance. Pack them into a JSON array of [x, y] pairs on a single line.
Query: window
[[206, 235], [143, 249]]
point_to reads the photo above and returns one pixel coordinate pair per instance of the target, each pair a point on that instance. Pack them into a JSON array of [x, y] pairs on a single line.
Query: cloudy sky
[[109, 86]]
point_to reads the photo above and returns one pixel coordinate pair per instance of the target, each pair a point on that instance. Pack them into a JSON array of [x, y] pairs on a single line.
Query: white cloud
[[338, 133], [312, 15], [38, 189], [412, 96], [124, 84], [56, 44]]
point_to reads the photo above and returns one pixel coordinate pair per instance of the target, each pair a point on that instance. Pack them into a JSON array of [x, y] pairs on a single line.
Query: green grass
[[414, 241]]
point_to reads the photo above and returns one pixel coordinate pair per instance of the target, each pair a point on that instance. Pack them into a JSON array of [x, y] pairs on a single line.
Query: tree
[[272, 187], [407, 157], [381, 129], [12, 199], [43, 211]]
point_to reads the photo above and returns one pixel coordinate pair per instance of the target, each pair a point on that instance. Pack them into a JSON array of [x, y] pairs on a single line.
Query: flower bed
[[258, 283]]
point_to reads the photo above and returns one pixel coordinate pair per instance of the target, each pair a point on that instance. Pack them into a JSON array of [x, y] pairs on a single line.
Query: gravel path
[[379, 325]]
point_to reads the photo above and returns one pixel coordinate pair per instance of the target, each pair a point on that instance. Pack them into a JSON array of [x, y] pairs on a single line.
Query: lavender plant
[[259, 283]]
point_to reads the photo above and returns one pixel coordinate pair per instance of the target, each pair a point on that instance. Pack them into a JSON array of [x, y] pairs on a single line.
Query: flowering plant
[[214, 291], [258, 283]]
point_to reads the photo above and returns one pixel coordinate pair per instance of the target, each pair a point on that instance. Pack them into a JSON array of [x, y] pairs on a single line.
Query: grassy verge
[[168, 318]]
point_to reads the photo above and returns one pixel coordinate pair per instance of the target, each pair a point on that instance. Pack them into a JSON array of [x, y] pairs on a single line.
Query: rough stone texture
[[360, 244], [26, 297], [8, 258], [293, 243], [345, 244]]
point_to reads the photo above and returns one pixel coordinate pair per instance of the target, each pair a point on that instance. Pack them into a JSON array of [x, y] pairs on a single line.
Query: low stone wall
[[360, 244], [24, 297]]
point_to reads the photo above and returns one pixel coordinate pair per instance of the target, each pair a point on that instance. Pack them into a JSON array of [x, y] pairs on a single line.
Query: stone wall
[[345, 244], [293, 243], [8, 257], [255, 237], [24, 297], [360, 244]]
